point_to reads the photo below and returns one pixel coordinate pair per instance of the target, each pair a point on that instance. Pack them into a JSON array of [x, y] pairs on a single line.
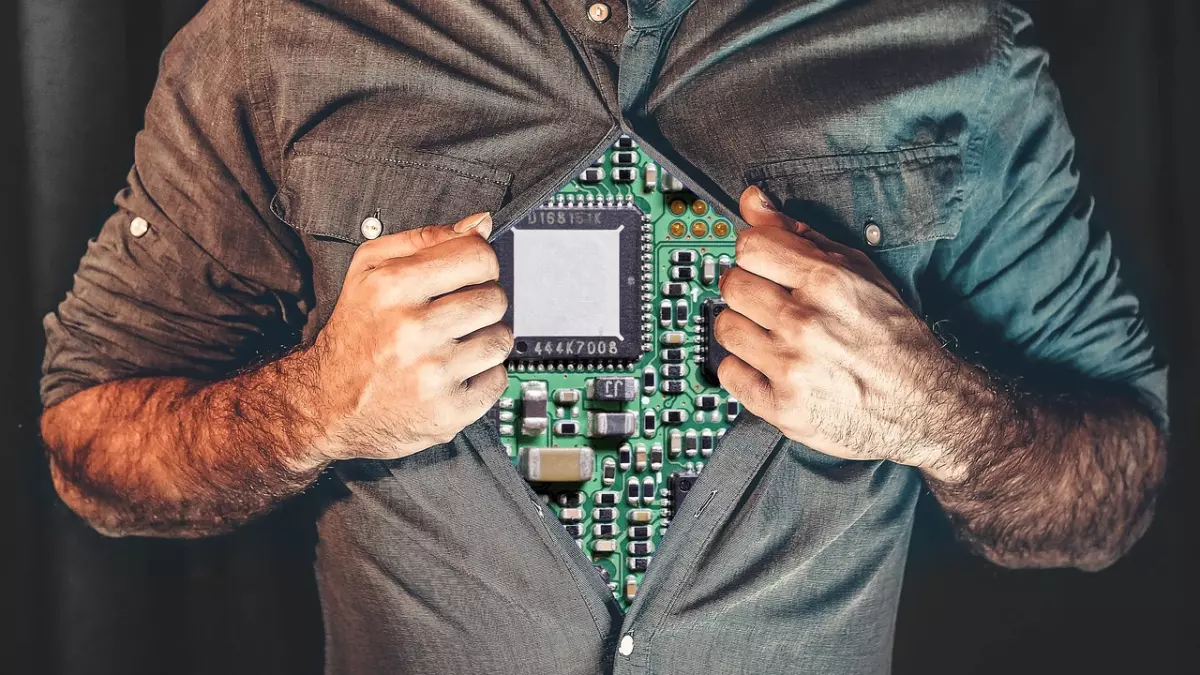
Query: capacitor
[[674, 443]]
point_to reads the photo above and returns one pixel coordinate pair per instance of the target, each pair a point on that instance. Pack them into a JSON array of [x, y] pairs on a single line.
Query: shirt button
[[138, 226], [371, 228], [626, 647], [872, 233], [598, 12]]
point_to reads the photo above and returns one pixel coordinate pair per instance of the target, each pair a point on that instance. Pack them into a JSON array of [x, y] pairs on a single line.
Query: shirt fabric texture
[[277, 127]]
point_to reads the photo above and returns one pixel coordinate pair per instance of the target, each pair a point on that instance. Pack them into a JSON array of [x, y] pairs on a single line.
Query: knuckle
[[483, 257], [734, 283], [495, 298], [500, 342], [748, 242], [426, 236], [725, 329]]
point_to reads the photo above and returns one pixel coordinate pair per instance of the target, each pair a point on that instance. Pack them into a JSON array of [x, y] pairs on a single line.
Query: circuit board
[[613, 404]]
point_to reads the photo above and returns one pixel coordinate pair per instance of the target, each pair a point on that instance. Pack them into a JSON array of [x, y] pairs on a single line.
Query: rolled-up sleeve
[[1030, 269], [192, 275]]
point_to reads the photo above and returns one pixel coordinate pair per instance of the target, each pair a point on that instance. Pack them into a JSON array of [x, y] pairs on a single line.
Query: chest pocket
[[877, 202], [330, 189]]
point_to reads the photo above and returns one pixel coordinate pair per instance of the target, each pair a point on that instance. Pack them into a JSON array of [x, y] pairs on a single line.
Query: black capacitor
[[682, 312], [592, 174], [673, 387], [640, 532], [675, 355], [624, 174]]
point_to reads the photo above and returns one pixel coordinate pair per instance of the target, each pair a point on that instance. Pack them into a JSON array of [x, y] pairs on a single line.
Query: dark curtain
[[75, 76]]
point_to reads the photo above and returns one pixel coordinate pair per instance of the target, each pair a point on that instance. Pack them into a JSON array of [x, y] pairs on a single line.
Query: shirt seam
[[370, 159], [259, 105], [1000, 57]]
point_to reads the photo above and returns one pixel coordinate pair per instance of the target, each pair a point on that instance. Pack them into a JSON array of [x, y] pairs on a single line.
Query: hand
[[413, 351], [823, 347]]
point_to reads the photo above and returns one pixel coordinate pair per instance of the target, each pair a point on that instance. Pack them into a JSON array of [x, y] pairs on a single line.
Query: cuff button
[[138, 227]]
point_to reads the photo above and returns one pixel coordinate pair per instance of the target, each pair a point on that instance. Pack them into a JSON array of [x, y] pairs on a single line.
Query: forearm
[[1039, 481], [171, 456]]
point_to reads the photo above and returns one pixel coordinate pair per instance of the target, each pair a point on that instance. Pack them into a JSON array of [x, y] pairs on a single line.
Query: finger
[[481, 391], [780, 256], [446, 267], [466, 310], [481, 350], [764, 302], [747, 340], [748, 385], [407, 242], [758, 211]]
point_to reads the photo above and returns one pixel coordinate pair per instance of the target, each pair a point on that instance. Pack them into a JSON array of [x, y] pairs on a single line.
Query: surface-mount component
[[556, 464], [612, 389], [611, 424], [567, 271], [713, 353]]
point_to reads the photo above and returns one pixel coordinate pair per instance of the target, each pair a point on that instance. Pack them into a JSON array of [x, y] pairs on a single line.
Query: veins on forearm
[[1049, 481], [179, 457]]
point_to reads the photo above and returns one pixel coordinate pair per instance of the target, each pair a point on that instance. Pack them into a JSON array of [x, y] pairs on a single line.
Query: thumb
[[758, 211], [407, 242]]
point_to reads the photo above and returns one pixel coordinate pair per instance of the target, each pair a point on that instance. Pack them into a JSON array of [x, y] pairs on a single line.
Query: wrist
[[296, 379], [967, 405]]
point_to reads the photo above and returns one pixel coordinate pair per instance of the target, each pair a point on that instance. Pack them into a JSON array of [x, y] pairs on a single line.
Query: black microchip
[[680, 484], [577, 294], [714, 353], [639, 564], [574, 529]]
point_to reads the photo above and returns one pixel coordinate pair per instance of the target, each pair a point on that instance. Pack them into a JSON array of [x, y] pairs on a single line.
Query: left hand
[[823, 347]]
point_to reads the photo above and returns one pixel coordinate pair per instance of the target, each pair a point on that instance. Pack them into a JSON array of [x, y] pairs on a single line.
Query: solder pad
[[614, 277]]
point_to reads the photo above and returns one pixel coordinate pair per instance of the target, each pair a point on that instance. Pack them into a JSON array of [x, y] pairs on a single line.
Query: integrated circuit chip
[[714, 353], [573, 281]]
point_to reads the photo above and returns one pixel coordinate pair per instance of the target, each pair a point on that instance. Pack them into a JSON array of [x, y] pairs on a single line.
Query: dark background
[[75, 76]]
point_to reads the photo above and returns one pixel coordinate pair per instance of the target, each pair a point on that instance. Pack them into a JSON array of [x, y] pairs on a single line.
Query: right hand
[[414, 349]]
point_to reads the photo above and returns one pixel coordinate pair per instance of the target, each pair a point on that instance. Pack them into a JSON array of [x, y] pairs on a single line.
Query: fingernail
[[467, 224], [764, 200]]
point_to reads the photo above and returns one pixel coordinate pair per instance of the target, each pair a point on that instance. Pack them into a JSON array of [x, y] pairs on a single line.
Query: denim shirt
[[277, 127]]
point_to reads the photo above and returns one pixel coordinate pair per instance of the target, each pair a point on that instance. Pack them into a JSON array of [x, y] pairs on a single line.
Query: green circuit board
[[613, 406]]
